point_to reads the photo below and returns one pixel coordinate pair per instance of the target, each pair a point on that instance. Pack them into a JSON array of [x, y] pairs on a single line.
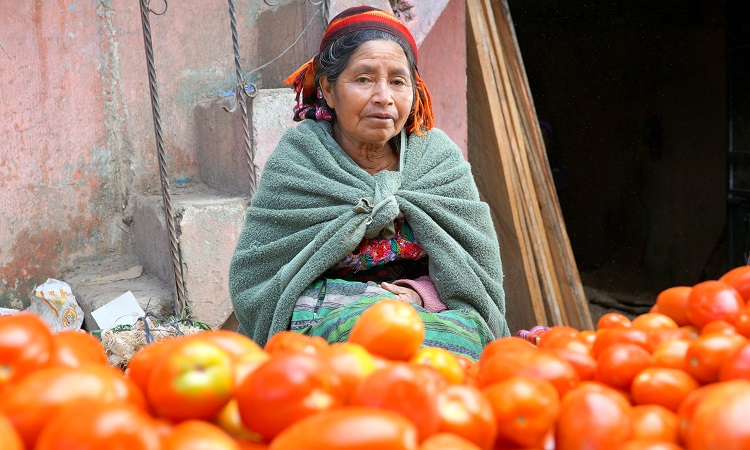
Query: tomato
[[718, 326], [525, 409], [609, 336], [464, 411], [686, 410], [613, 320], [654, 422], [236, 345], [593, 416], [9, 438], [246, 364], [673, 302], [742, 324], [144, 360], [662, 386], [194, 380], [557, 336], [618, 364], [352, 363], [25, 346], [737, 365], [31, 401], [230, 421], [198, 435], [442, 360], [720, 418], [541, 364], [739, 278], [389, 328], [653, 321], [505, 346], [349, 428], [443, 441], [114, 426], [656, 337], [706, 354], [293, 342], [405, 389], [649, 444], [671, 354], [714, 300], [293, 386], [580, 359], [75, 347]]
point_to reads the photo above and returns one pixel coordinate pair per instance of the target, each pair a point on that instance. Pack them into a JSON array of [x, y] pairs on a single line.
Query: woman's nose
[[382, 93]]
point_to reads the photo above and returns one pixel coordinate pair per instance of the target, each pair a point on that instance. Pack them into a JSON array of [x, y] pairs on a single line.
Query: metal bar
[[179, 282]]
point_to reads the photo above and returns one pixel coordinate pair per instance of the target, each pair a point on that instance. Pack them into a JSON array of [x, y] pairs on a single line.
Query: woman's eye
[[398, 82], [362, 79]]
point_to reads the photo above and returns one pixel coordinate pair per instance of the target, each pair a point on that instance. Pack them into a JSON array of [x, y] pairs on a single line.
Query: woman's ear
[[327, 89]]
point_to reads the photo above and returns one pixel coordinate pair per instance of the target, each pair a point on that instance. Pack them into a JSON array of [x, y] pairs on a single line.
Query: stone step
[[208, 224]]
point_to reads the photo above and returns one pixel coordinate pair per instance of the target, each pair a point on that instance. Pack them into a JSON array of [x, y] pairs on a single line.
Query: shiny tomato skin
[[655, 422], [198, 435], [466, 412], [143, 361], [720, 418], [662, 386], [111, 426], [25, 346], [292, 342], [613, 320], [618, 364], [737, 365], [609, 336], [542, 364], [739, 278], [389, 328], [714, 300], [349, 428], [9, 437], [706, 354], [447, 441], [673, 302], [293, 386], [76, 347]]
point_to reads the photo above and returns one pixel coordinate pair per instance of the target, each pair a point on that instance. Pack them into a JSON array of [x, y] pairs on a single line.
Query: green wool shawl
[[314, 205]]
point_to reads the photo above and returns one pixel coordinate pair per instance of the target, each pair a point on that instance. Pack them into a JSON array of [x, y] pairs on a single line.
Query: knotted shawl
[[314, 205]]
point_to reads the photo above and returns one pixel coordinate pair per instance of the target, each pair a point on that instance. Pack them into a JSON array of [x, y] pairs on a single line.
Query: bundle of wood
[[510, 164]]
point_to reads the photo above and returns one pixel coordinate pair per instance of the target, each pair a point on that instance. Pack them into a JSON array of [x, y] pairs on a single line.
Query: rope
[[181, 299]]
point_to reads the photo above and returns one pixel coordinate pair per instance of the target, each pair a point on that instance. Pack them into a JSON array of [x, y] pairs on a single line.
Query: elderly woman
[[365, 200]]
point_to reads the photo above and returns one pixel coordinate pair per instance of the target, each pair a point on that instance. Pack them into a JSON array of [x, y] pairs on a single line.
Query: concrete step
[[208, 224]]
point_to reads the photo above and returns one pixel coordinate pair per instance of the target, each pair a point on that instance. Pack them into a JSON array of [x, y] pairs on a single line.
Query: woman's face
[[372, 97]]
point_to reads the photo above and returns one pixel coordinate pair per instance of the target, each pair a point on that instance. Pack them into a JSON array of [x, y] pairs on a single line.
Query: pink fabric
[[426, 289]]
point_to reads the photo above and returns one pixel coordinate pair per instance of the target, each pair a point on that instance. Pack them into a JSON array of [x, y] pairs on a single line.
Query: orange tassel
[[423, 117]]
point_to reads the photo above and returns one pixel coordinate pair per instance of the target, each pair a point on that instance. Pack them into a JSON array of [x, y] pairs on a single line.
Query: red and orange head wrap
[[350, 20]]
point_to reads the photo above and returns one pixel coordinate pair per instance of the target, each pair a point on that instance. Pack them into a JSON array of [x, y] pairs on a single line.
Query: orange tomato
[[352, 364], [656, 337], [737, 365], [662, 386], [405, 389], [107, 425], [525, 409], [671, 354], [593, 416], [720, 418], [714, 300], [742, 324], [655, 422], [198, 435], [739, 278], [649, 444], [673, 302], [718, 326], [236, 345], [464, 411], [557, 336], [75, 347], [293, 386], [144, 360], [25, 346], [506, 345], [390, 328], [441, 360], [618, 364], [653, 321], [443, 441], [579, 357], [687, 408], [292, 342], [349, 428], [194, 380], [230, 421], [609, 336], [246, 364], [706, 354], [9, 438], [613, 320]]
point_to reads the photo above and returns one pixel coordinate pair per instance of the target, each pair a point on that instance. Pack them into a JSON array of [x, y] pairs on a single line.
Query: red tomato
[[236, 345], [445, 441], [649, 444], [653, 321], [293, 342], [613, 320], [618, 364], [293, 386], [441, 360], [25, 346], [706, 354], [352, 363], [593, 417], [742, 324], [737, 365], [75, 347], [739, 278], [578, 357], [506, 345], [720, 418], [557, 337], [718, 326], [349, 428], [144, 360], [389, 328], [541, 364], [114, 426], [230, 421], [404, 389], [525, 409], [194, 380], [686, 410], [9, 438], [30, 402], [662, 386], [198, 435], [655, 422], [656, 337], [671, 354], [714, 300], [609, 336], [673, 302], [466, 412]]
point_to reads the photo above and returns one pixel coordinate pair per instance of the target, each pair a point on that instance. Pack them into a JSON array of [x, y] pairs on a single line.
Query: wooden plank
[[571, 290], [492, 170]]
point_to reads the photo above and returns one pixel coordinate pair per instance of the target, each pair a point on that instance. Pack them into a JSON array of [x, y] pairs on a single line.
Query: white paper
[[124, 310]]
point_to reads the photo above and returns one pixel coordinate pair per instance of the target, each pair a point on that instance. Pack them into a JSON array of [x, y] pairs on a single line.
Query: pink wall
[[76, 131]]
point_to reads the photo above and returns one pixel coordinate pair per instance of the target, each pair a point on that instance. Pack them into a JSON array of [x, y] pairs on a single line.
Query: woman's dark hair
[[334, 58]]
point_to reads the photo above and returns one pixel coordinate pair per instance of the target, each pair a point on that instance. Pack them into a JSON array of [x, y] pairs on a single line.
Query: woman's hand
[[403, 293]]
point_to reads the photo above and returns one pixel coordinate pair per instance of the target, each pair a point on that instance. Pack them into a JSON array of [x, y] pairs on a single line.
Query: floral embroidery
[[376, 252]]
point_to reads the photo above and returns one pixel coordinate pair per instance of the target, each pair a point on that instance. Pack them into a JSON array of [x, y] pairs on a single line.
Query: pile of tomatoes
[[676, 377]]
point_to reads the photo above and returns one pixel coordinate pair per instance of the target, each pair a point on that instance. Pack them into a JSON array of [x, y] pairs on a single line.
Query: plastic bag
[[54, 302]]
